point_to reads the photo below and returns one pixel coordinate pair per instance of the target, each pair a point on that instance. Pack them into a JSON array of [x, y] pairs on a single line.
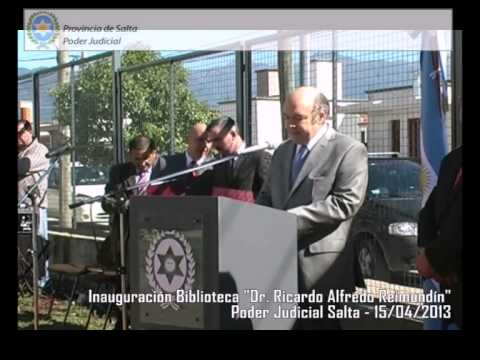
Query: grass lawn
[[76, 319]]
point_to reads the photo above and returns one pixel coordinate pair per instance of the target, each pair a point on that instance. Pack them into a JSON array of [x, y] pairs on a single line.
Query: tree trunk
[[65, 188]]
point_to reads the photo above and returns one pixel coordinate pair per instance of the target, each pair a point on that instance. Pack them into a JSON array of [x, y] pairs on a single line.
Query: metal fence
[[375, 98], [74, 103]]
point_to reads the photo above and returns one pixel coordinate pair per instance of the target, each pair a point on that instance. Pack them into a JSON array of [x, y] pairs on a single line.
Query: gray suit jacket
[[327, 193]]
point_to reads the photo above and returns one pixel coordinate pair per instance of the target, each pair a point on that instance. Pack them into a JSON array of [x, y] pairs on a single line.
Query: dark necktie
[[298, 162]]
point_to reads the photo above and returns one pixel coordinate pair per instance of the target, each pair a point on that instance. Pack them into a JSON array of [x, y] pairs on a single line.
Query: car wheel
[[371, 260]]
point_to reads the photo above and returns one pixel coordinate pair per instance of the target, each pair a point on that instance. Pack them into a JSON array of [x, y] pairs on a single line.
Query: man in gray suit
[[320, 176]]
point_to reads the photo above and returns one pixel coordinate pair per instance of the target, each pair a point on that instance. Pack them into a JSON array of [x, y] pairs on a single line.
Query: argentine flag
[[433, 133]]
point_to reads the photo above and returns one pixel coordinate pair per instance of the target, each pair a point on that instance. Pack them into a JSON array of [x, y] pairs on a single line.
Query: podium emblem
[[169, 263]]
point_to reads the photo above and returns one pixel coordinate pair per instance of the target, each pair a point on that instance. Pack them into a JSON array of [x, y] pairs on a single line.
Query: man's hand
[[426, 270], [423, 265], [448, 281], [118, 203]]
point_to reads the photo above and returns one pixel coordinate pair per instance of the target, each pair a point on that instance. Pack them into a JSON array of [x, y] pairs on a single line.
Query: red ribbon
[[242, 195]]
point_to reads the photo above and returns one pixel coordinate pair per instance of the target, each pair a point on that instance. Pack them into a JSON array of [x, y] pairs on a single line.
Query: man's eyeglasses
[[299, 118], [296, 118]]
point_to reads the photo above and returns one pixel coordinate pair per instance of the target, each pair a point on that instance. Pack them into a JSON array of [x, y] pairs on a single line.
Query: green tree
[[145, 103]]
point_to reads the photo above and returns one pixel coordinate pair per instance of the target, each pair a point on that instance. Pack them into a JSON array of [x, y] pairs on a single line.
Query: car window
[[83, 176], [90, 176], [389, 178]]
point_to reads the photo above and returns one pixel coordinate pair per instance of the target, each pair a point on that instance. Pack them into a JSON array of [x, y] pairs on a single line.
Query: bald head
[[305, 112], [197, 147], [309, 96]]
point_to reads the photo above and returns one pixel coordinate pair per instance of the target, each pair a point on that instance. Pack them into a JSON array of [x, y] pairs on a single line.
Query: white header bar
[[261, 19], [193, 30]]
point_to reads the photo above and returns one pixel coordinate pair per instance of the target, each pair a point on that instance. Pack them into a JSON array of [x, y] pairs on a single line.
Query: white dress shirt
[[313, 141]]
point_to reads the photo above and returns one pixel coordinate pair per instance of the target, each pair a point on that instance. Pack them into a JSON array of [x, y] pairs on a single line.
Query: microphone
[[59, 151], [271, 145], [84, 202], [255, 148]]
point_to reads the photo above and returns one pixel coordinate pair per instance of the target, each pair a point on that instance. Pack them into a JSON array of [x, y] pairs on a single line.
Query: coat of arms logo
[[169, 263], [43, 28]]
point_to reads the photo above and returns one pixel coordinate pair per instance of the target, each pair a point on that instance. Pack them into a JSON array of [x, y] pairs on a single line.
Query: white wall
[[398, 104], [322, 78], [269, 121], [405, 106], [266, 114]]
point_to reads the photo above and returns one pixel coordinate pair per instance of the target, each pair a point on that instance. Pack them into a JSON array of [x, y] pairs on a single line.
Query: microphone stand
[[46, 173], [171, 177], [123, 279], [121, 200], [206, 165], [32, 194]]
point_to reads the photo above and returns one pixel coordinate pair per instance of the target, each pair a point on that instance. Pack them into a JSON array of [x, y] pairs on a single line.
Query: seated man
[[144, 165], [240, 178], [196, 154]]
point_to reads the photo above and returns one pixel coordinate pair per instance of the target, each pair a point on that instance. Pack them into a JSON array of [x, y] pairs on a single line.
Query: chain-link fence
[[374, 95], [166, 99], [74, 104]]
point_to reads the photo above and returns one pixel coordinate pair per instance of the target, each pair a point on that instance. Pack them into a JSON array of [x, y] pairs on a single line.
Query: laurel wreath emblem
[[30, 27], [154, 237]]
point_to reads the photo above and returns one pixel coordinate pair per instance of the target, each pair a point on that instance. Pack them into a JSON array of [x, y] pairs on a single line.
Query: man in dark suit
[[144, 165], [241, 178], [440, 236], [320, 176], [197, 153]]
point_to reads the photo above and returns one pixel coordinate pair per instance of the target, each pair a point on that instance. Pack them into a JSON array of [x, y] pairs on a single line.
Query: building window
[[414, 138], [395, 135]]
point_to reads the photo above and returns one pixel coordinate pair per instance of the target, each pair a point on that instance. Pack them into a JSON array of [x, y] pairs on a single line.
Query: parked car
[[89, 182], [385, 229]]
